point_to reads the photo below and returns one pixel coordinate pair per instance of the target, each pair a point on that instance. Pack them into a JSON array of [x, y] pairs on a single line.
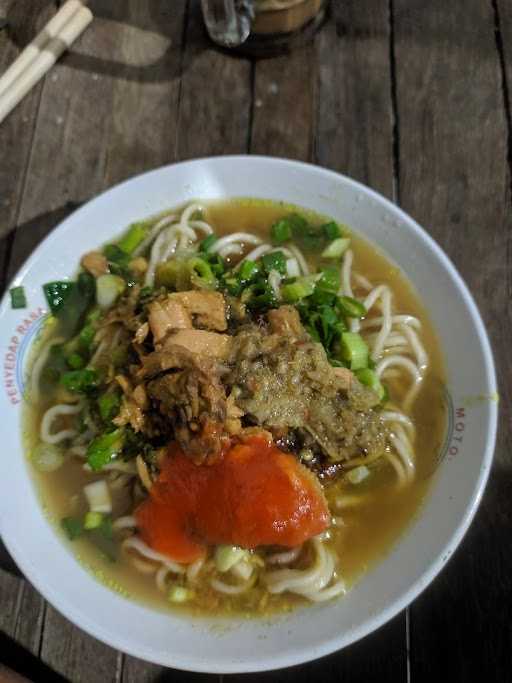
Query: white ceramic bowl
[[255, 645]]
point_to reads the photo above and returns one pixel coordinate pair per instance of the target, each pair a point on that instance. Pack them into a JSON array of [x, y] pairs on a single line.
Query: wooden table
[[412, 98]]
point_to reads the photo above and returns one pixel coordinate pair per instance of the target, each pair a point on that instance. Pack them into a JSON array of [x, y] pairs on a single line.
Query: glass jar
[[262, 27]]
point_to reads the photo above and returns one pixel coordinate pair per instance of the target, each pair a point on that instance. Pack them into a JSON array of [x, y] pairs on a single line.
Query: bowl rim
[[337, 642]]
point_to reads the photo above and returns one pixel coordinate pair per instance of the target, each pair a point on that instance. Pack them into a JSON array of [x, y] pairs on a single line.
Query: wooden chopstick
[[39, 57], [51, 30]]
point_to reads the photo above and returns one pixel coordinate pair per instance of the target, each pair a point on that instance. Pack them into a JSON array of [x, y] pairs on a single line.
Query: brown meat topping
[[95, 263], [211, 344], [207, 308]]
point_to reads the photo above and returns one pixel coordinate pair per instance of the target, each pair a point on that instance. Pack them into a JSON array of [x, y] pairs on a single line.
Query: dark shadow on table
[[29, 234], [17, 658], [158, 18], [7, 563]]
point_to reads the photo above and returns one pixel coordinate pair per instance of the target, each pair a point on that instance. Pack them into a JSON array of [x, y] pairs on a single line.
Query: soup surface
[[374, 484]]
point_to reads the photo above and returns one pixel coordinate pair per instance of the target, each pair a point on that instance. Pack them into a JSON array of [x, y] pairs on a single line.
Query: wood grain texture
[[17, 131], [503, 21], [93, 129], [284, 105], [215, 100], [75, 655], [96, 127], [355, 122], [456, 181]]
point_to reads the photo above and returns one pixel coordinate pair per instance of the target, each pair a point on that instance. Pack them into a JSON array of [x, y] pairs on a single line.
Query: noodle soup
[[309, 314]]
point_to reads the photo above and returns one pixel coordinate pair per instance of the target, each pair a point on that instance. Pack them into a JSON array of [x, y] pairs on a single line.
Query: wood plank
[[137, 671], [355, 119], [456, 181], [354, 136], [130, 55], [21, 615], [503, 21], [284, 107], [124, 125], [17, 131], [216, 96]]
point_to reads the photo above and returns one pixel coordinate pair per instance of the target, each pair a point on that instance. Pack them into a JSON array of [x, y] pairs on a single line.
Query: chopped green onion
[[330, 279], [73, 527], [180, 594], [354, 350], [370, 379], [115, 254], [76, 361], [358, 474], [208, 243], [56, 294], [351, 308], [172, 275], [108, 288], [259, 295], [331, 230], [248, 271], [200, 273], [322, 297], [80, 381], [303, 233], [281, 231], [109, 405], [226, 556], [68, 301], [301, 288], [215, 261], [337, 248], [104, 448], [18, 298], [47, 457], [274, 261], [232, 285], [93, 520], [131, 240], [87, 335]]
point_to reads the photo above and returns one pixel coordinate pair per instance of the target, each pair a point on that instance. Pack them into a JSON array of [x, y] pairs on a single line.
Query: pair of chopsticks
[[42, 53]]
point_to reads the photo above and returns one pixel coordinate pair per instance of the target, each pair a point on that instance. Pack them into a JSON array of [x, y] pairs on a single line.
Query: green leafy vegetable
[[18, 298], [86, 336], [259, 295], [68, 301], [109, 405], [215, 261], [281, 231], [73, 527], [104, 448], [115, 254], [248, 271], [208, 243], [351, 308], [56, 294], [76, 361], [331, 230], [274, 261], [330, 280], [81, 381]]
